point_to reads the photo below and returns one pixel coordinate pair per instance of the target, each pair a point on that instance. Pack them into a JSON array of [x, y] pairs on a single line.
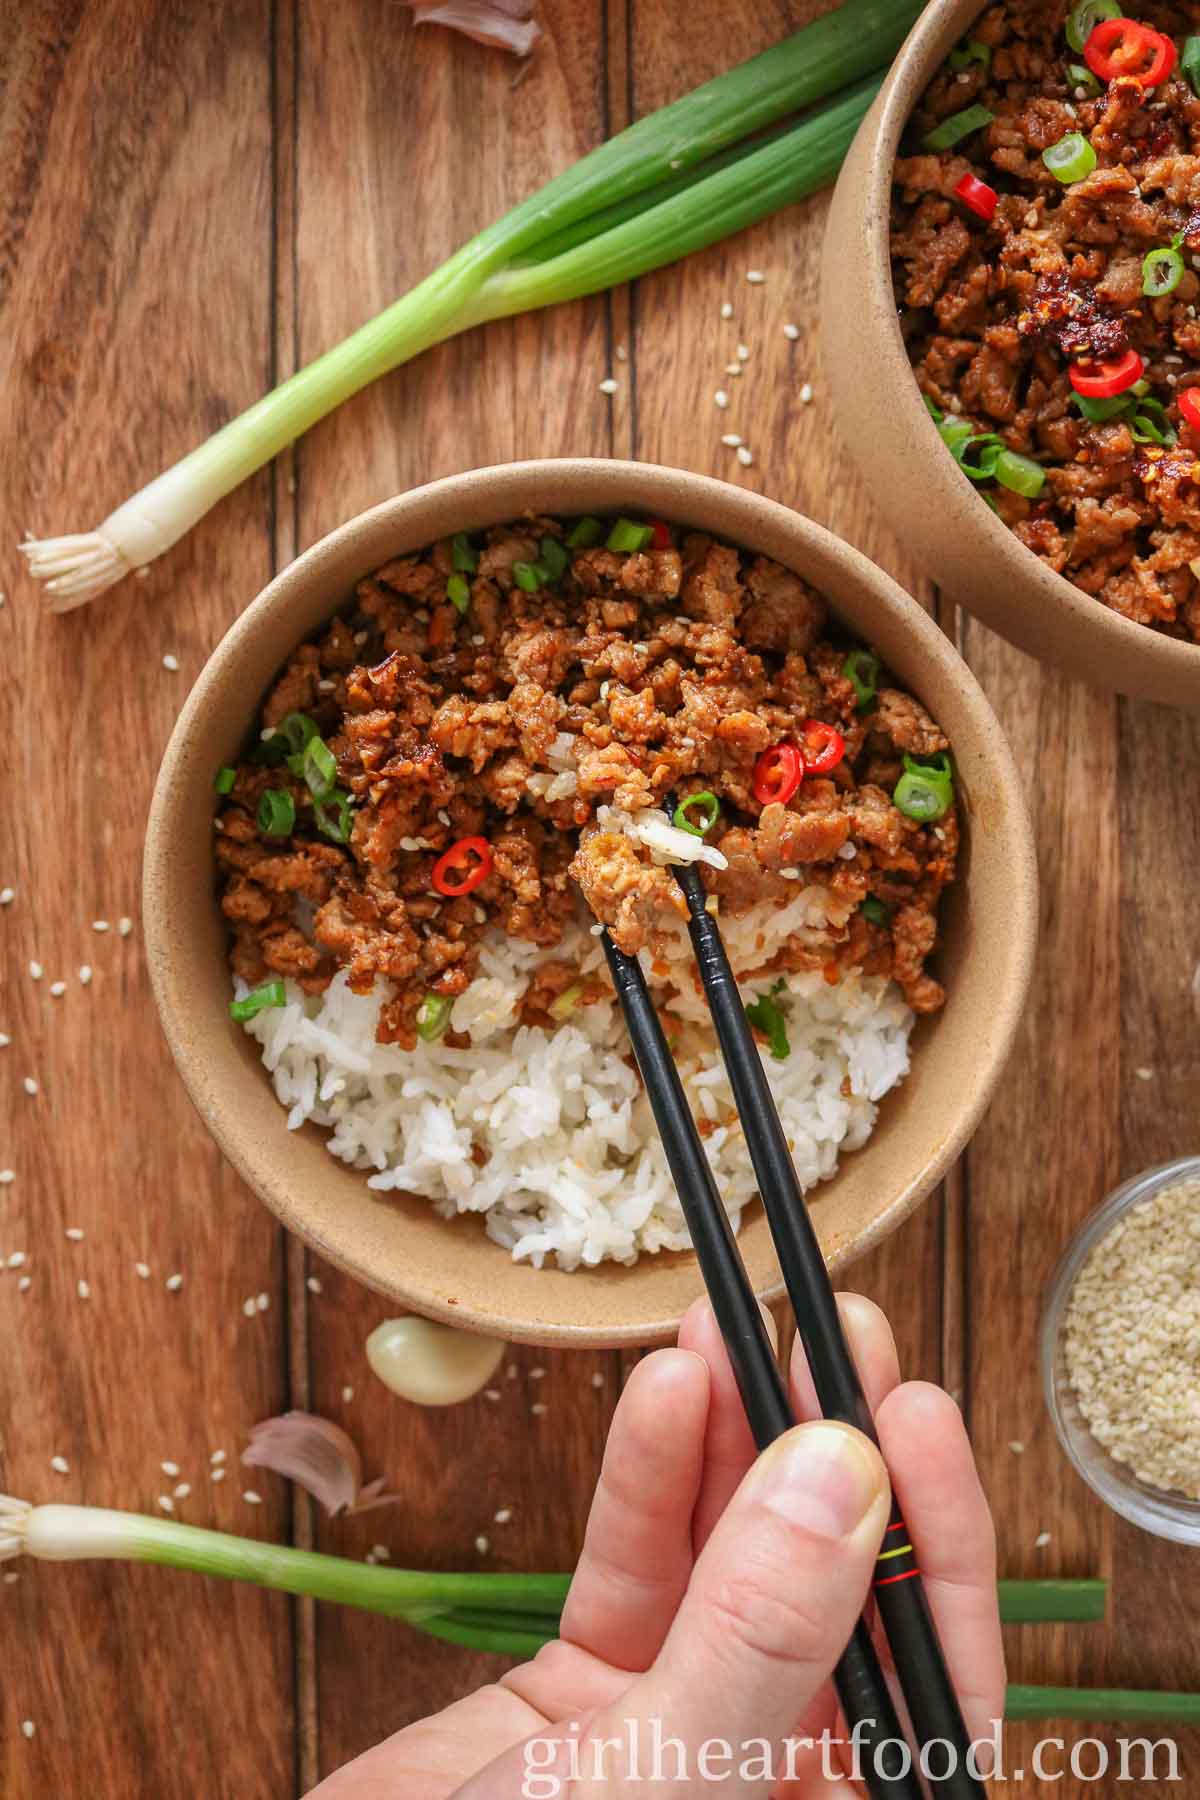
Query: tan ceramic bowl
[[912, 479], [449, 1269]]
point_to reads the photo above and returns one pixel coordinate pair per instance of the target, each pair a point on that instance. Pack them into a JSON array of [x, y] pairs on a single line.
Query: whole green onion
[[553, 559], [584, 533], [271, 993], [862, 670], [335, 825], [674, 182], [276, 812], [319, 769], [1080, 76], [925, 791], [458, 593], [627, 535], [224, 781], [710, 812], [1071, 159], [1083, 19], [1189, 61], [959, 125], [874, 909], [462, 553], [1162, 272], [433, 1015], [972, 51], [1020, 473]]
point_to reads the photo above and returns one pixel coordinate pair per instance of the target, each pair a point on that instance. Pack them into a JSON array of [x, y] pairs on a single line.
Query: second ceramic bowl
[[956, 537], [449, 1269]]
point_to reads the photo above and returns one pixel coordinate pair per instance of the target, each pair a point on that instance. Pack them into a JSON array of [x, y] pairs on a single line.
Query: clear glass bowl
[[1166, 1514]]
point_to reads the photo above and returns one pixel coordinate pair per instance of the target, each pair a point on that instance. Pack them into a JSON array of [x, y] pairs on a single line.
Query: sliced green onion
[[319, 769], [270, 751], [1071, 158], [458, 592], [564, 1004], [1162, 272], [553, 558], [297, 729], [767, 1014], [861, 670], [874, 909], [1189, 61], [1080, 76], [1083, 19], [271, 993], [959, 125], [710, 812], [1150, 424], [935, 412], [972, 51], [1020, 473], [528, 576], [954, 433], [225, 780], [626, 535], [584, 533], [678, 180], [433, 1015], [926, 789], [276, 812], [336, 824], [981, 465], [462, 553], [1098, 410]]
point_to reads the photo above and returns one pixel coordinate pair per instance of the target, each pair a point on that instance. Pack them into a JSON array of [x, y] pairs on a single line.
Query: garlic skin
[[431, 1364]]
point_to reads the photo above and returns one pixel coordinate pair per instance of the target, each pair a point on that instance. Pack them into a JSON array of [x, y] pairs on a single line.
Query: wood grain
[[188, 212]]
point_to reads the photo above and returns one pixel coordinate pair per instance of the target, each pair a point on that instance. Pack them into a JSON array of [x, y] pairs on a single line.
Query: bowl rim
[[927, 44], [642, 486]]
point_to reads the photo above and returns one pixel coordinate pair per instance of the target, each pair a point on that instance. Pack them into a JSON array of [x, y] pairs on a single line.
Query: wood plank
[[128, 330], [361, 159]]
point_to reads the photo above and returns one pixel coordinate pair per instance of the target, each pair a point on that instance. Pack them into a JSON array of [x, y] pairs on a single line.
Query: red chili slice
[[1189, 406], [662, 539], [1101, 380], [1127, 47], [777, 774], [458, 857], [978, 196], [822, 746]]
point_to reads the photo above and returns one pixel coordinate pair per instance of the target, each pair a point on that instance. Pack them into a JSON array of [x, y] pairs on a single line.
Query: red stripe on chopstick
[[889, 1579]]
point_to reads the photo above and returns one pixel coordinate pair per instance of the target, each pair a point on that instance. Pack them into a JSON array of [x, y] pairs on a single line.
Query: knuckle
[[775, 1622]]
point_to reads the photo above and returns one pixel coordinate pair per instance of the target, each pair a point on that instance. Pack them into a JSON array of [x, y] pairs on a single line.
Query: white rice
[[572, 1167]]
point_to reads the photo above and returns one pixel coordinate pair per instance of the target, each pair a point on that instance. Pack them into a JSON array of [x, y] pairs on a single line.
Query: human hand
[[716, 1591]]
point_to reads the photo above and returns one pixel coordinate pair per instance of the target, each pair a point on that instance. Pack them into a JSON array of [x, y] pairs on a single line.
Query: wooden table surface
[[194, 200]]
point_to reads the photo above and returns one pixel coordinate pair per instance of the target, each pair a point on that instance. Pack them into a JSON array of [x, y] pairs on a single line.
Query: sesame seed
[[249, 1308], [30, 1086], [5, 1040], [381, 1553], [538, 1408], [74, 1233], [124, 926], [745, 456], [755, 277], [482, 1545], [142, 1269], [7, 1175], [733, 368], [268, 731], [251, 1498], [169, 1468], [83, 1290], [1041, 1540], [170, 662], [85, 974], [743, 353], [608, 386], [791, 332], [1017, 1447], [727, 309], [25, 1283], [262, 1302], [7, 896], [326, 686], [217, 1475], [218, 1456], [28, 1728], [182, 1490], [99, 924], [503, 1516], [511, 1372], [17, 1259], [313, 1284], [36, 971], [11, 1579], [537, 1374], [166, 1504], [806, 394], [1144, 1074], [721, 399], [60, 1465], [732, 439], [58, 989], [597, 1379], [174, 1283], [347, 1395]]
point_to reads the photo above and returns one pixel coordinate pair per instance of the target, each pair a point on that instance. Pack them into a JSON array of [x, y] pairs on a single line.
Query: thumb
[[776, 1592]]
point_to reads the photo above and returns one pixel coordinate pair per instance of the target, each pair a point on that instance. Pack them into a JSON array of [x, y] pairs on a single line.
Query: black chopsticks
[[899, 1591]]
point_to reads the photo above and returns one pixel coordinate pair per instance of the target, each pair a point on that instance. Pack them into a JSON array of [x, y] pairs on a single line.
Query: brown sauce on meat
[[628, 678]]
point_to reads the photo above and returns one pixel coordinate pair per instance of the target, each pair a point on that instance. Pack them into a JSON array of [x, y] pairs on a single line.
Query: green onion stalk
[[709, 164]]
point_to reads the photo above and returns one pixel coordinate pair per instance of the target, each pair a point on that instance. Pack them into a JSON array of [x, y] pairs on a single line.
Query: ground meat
[[624, 680], [997, 313]]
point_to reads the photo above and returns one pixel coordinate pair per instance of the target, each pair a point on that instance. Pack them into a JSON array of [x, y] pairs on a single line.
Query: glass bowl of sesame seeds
[[1120, 1350]]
